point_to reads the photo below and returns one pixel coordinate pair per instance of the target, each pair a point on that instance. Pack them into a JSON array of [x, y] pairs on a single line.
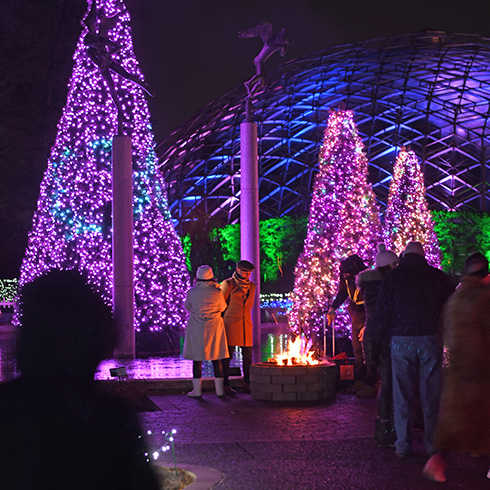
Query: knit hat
[[204, 273], [245, 265], [385, 257], [414, 248]]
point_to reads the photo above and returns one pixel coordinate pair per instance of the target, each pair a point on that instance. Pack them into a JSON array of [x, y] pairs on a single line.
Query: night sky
[[190, 54]]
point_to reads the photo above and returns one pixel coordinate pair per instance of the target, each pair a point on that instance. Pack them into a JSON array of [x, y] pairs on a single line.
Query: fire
[[298, 352]]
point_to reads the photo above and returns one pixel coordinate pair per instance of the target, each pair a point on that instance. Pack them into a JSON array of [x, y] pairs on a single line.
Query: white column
[[249, 217], [122, 245]]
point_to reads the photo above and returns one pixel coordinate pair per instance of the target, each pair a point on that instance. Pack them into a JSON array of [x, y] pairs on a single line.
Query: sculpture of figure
[[101, 49], [272, 43]]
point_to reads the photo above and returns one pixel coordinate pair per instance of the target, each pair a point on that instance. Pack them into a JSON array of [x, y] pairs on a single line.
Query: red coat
[[238, 317]]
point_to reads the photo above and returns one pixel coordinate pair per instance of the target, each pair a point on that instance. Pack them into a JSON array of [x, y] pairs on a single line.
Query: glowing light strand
[[407, 215], [343, 220], [72, 224]]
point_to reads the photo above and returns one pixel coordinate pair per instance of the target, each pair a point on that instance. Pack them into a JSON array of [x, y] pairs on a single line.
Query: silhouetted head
[[66, 328], [414, 248], [352, 265]]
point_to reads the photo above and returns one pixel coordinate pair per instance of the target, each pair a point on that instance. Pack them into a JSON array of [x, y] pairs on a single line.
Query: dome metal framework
[[429, 91]]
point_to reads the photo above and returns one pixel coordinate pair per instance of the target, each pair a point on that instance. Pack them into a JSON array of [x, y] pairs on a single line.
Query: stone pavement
[[301, 446]]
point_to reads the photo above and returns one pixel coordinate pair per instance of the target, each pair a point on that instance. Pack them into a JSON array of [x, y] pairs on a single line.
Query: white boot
[[218, 384], [196, 392]]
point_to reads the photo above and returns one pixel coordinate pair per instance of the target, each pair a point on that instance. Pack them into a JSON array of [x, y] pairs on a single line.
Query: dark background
[[190, 54]]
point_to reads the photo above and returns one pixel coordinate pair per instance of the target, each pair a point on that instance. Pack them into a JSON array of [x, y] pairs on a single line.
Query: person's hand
[[331, 316], [361, 334]]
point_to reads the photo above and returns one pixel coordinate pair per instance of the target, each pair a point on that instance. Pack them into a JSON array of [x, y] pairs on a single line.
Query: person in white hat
[[377, 347], [205, 336]]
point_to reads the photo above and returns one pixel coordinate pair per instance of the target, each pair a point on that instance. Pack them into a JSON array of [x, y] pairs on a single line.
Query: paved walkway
[[281, 446]]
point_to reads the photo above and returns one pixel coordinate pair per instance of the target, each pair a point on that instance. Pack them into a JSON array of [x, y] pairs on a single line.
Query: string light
[[169, 445], [72, 224], [343, 220], [407, 216]]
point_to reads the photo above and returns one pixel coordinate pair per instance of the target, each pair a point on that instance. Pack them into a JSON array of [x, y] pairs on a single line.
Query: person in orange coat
[[239, 294]]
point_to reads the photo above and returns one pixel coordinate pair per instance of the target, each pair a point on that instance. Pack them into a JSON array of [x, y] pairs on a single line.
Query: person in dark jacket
[[408, 309], [59, 429], [377, 349], [349, 268]]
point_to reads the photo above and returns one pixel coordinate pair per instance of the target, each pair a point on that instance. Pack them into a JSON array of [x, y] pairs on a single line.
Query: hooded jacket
[[349, 268]]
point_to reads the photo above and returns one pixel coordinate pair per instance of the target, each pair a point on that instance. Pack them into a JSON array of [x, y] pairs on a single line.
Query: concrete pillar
[[122, 245], [249, 218]]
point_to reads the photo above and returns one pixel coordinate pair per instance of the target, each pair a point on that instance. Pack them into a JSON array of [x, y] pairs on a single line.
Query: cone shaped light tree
[[72, 224], [343, 220], [407, 215]]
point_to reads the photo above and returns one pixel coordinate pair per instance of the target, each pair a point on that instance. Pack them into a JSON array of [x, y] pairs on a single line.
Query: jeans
[[416, 360]]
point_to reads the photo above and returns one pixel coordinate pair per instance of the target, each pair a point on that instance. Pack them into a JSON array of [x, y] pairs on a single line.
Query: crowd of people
[[403, 313]]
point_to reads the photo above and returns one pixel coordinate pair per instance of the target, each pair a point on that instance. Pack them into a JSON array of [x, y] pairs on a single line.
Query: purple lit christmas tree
[[407, 216], [72, 224], [343, 220]]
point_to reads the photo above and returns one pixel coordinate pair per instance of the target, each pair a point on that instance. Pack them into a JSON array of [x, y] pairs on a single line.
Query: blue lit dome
[[429, 91]]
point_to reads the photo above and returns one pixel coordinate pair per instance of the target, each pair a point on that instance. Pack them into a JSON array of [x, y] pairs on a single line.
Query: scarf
[[243, 284]]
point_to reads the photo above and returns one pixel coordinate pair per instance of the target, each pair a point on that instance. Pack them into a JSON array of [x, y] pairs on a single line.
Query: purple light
[[407, 216], [72, 224], [343, 220]]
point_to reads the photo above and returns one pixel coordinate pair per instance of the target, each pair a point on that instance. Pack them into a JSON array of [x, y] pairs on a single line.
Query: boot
[[218, 385], [196, 392], [384, 434]]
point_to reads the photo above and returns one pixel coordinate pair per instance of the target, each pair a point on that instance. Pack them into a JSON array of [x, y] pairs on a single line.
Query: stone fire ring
[[271, 382]]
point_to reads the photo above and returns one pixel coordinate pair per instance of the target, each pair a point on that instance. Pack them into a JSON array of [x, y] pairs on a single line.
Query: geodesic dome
[[429, 91]]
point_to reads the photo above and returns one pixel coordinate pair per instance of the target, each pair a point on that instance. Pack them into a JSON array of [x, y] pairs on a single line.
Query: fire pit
[[293, 376], [292, 383]]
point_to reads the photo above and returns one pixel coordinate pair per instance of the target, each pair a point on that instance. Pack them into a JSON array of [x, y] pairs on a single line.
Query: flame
[[298, 352]]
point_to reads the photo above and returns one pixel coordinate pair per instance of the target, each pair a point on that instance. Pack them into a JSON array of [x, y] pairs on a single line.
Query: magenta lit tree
[[407, 216], [343, 220], [72, 223]]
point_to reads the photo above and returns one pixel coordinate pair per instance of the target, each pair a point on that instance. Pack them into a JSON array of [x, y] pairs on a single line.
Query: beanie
[[385, 257]]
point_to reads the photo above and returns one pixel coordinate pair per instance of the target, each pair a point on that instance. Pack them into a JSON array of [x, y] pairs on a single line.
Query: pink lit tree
[[407, 216], [343, 220], [72, 224]]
